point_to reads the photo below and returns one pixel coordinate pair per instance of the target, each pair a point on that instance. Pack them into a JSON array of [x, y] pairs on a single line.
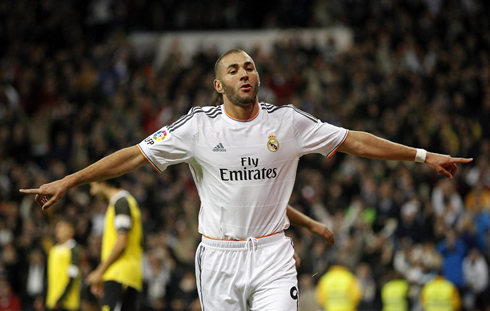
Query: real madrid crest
[[273, 144]]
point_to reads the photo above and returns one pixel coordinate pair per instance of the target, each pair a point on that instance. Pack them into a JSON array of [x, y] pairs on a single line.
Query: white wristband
[[420, 155]]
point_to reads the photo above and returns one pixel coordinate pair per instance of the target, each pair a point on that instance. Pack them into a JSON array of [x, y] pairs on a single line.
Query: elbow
[[355, 144], [358, 149], [137, 159]]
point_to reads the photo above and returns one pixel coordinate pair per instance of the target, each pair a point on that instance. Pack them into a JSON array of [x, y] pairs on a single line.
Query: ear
[[217, 86]]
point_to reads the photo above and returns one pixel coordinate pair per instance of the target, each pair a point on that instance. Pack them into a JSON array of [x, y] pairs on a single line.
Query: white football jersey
[[244, 170]]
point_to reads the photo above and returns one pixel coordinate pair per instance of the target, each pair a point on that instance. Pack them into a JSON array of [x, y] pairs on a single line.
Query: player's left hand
[[444, 164], [322, 231]]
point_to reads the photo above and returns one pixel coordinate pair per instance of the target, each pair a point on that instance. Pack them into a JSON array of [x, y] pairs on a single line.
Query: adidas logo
[[219, 148]]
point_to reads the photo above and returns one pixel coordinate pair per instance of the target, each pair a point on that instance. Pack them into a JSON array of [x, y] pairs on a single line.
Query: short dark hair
[[232, 51]]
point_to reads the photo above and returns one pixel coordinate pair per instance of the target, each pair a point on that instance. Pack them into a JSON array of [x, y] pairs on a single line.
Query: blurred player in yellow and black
[[63, 270], [395, 293], [120, 269], [338, 289], [440, 294]]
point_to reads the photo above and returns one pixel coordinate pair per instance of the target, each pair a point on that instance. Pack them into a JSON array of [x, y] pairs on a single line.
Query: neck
[[241, 112], [111, 192]]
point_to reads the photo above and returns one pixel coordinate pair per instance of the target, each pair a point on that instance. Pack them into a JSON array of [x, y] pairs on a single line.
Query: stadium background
[[73, 89]]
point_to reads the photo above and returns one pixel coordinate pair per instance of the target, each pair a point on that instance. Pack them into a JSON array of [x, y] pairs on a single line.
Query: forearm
[[369, 146], [114, 165], [298, 219], [116, 252]]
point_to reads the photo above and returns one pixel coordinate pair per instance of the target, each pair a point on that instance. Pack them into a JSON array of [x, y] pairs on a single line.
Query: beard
[[238, 99]]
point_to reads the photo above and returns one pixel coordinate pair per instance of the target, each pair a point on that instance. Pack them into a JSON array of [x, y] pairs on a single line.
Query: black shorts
[[119, 295]]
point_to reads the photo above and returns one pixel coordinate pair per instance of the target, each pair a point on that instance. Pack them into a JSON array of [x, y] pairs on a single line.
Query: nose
[[244, 74]]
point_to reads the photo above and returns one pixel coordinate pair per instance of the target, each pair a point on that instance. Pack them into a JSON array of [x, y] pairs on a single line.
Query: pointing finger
[[461, 160], [31, 191]]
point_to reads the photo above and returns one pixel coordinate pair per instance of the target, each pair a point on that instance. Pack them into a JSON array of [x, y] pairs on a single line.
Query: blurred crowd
[[72, 91]]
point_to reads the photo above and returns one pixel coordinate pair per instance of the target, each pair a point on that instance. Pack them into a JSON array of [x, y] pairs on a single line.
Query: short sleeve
[[171, 144], [73, 270], [122, 220], [315, 136]]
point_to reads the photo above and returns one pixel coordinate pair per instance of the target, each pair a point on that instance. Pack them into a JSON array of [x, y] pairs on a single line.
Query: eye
[[232, 72]]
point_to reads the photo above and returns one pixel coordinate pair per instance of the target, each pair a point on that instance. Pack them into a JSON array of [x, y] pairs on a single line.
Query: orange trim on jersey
[[337, 148], [253, 117], [260, 237], [143, 154]]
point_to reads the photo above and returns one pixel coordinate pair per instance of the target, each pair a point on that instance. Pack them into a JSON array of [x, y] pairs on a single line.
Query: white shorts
[[255, 274]]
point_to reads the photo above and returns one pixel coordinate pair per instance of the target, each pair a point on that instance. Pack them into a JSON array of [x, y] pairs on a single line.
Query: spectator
[[157, 276], [36, 277], [368, 288], [9, 301], [447, 202], [453, 251], [307, 289], [475, 272]]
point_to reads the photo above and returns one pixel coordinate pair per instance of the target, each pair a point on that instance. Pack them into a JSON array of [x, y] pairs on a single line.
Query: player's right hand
[[322, 231], [444, 164], [48, 194]]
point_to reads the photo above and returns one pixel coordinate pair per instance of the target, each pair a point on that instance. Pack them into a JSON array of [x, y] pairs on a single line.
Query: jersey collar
[[117, 196], [70, 243], [241, 120]]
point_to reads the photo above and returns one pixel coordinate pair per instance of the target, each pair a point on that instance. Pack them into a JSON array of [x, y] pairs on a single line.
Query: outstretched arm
[[299, 219], [114, 165], [369, 146]]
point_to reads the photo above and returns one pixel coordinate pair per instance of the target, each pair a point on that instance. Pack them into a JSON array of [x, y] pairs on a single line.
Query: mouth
[[246, 87]]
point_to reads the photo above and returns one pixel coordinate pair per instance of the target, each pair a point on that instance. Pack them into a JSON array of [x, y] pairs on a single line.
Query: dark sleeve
[[122, 224]]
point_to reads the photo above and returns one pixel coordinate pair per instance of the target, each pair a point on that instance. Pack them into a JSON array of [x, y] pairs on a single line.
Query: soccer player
[[63, 270], [243, 156], [120, 269]]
